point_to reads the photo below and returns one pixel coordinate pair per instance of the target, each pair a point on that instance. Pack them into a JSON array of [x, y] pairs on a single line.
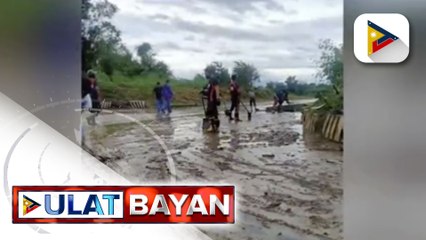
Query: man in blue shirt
[[167, 95]]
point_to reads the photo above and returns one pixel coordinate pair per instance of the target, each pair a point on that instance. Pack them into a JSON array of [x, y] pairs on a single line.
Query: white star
[[373, 34]]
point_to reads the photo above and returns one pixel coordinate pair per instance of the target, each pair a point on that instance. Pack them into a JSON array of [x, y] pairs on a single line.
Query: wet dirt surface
[[289, 184]]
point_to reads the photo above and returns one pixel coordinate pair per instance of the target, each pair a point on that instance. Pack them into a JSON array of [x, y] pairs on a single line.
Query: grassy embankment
[[123, 88]]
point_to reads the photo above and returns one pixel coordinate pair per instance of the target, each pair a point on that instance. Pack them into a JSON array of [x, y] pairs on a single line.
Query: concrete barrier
[[287, 108], [329, 125], [106, 104], [134, 104], [137, 104]]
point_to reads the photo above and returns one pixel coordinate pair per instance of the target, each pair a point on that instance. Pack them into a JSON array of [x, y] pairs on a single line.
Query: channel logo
[[119, 204], [381, 38], [28, 205]]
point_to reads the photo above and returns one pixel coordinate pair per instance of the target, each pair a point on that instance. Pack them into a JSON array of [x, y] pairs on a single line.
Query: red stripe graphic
[[197, 204], [377, 47]]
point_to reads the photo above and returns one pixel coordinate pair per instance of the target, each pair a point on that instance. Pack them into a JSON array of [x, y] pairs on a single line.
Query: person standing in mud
[[167, 95], [158, 97], [95, 97], [86, 105], [234, 90], [86, 100], [213, 101], [252, 96]]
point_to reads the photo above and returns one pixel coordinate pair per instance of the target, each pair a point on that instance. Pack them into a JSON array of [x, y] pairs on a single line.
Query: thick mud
[[289, 184]]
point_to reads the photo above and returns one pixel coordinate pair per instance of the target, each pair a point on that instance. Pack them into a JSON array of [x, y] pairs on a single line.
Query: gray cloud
[[282, 35], [304, 32], [228, 52], [189, 38], [160, 17], [174, 46], [184, 4], [168, 46], [242, 6]]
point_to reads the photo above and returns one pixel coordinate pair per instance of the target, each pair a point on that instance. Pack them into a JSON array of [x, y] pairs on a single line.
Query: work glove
[[218, 102]]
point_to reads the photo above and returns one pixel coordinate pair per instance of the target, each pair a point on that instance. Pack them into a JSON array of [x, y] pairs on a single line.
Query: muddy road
[[289, 184]]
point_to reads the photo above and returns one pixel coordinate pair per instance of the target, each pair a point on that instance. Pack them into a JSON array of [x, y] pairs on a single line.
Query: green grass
[[122, 88], [141, 88]]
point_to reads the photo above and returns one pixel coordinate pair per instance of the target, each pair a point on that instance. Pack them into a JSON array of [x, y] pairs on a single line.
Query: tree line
[[103, 49], [247, 74]]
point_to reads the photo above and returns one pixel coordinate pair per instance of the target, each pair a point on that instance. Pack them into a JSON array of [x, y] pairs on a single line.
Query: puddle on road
[[287, 189]]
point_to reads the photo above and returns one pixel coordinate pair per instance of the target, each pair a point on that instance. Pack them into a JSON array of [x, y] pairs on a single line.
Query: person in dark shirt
[[280, 97], [212, 94], [85, 93], [95, 96], [234, 90], [158, 97]]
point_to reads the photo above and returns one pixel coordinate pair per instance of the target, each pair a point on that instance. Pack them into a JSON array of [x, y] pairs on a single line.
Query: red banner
[[124, 204]]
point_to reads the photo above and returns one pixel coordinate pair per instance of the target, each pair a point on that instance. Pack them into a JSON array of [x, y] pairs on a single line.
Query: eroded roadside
[[289, 186]]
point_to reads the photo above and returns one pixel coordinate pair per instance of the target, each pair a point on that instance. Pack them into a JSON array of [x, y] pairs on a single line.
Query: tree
[[331, 70], [199, 78], [163, 69], [247, 75], [217, 71], [274, 86], [145, 49], [107, 67], [97, 33], [146, 55], [292, 84], [270, 85], [331, 63]]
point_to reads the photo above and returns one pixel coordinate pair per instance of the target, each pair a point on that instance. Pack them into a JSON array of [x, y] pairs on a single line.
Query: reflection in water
[[211, 140]]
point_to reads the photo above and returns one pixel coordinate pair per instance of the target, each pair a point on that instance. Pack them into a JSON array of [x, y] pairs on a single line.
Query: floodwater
[[288, 184]]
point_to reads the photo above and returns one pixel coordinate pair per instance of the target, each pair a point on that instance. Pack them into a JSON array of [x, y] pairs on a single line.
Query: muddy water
[[289, 186]]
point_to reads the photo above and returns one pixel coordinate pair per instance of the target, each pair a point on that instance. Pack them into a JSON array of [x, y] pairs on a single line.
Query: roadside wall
[[134, 104], [329, 125]]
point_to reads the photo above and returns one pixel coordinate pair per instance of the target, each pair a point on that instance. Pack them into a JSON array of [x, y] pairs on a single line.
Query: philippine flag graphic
[[381, 38]]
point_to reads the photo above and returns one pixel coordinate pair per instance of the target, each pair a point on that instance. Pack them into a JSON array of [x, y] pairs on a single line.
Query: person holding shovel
[[234, 90]]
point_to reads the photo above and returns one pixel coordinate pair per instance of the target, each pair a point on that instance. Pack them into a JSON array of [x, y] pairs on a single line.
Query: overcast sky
[[279, 37]]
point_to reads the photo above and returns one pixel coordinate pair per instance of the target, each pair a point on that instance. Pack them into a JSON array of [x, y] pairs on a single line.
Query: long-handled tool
[[226, 110], [206, 121], [209, 122], [248, 112]]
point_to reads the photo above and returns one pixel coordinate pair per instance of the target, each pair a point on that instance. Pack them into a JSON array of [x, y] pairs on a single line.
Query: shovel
[[248, 112], [206, 121]]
